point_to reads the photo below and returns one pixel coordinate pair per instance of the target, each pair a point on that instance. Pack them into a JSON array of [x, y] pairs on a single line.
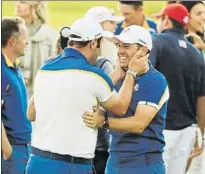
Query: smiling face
[[125, 53], [133, 16], [197, 18]]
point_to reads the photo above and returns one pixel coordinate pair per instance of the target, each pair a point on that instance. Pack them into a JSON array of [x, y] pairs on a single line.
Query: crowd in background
[[184, 131]]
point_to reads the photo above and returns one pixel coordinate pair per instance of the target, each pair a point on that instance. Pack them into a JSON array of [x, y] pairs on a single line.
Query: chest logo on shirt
[[136, 87]]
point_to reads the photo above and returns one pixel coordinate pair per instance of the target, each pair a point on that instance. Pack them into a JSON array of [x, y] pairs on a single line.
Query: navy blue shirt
[[183, 66], [14, 99], [151, 89]]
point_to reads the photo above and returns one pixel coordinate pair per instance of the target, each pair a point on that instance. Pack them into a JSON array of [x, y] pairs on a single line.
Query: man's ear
[[12, 40], [143, 51], [166, 20], [93, 44]]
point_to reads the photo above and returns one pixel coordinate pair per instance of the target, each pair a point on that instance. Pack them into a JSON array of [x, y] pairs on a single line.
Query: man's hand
[[7, 152], [6, 146], [198, 42], [139, 62], [94, 119]]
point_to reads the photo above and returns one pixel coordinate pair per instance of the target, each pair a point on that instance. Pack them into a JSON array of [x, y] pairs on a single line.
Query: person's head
[[105, 17], [133, 39], [172, 16], [132, 11], [14, 35], [196, 15], [32, 10], [172, 2], [86, 37]]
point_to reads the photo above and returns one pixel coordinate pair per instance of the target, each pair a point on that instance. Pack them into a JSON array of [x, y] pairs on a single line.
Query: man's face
[[96, 51], [132, 15], [21, 41], [125, 53], [161, 24], [197, 18], [109, 26]]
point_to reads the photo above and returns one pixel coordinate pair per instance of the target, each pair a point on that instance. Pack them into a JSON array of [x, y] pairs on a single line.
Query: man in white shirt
[[64, 89]]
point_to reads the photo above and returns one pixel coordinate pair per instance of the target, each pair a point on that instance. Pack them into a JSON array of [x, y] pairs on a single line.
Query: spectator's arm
[[201, 113], [200, 110], [31, 113]]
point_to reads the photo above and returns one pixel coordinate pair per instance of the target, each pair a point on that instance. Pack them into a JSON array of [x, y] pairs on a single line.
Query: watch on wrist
[[106, 123], [134, 74]]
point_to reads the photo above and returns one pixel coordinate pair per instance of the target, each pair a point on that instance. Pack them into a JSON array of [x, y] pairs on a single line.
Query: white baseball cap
[[136, 34], [87, 29], [102, 14]]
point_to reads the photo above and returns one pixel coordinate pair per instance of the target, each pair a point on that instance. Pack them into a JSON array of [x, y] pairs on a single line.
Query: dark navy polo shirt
[[183, 66], [150, 88], [14, 99]]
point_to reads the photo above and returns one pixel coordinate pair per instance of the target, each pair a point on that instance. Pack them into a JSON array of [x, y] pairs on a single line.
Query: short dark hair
[[176, 24], [79, 44], [10, 27], [136, 4]]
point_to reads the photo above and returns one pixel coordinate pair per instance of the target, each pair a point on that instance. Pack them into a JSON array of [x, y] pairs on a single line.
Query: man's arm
[[201, 113], [146, 110], [31, 113], [6, 146]]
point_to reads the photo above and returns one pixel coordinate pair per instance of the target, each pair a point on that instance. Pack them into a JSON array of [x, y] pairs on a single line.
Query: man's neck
[[10, 55]]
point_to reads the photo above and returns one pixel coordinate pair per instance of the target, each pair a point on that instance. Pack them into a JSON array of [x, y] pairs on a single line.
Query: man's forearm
[[201, 113], [129, 124], [125, 93]]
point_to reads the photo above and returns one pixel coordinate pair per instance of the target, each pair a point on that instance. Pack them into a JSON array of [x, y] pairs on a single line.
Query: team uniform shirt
[[64, 89], [183, 66], [14, 103], [149, 24], [150, 89]]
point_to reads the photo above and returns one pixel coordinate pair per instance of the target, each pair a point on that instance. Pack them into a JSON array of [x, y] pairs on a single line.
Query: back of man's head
[[136, 4], [10, 27]]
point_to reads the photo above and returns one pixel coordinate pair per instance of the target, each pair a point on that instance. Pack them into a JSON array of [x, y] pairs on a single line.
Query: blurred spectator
[[42, 39], [109, 22], [133, 12], [183, 66], [196, 23]]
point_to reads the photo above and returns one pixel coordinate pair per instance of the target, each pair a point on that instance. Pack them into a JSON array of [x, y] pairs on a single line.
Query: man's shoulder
[[153, 78]]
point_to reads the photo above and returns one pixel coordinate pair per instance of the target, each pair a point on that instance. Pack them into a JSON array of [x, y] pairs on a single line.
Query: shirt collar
[[9, 63], [145, 24], [70, 52], [174, 30]]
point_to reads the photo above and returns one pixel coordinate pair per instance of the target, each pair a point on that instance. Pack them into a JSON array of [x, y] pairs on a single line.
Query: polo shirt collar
[[70, 52], [9, 63], [174, 30]]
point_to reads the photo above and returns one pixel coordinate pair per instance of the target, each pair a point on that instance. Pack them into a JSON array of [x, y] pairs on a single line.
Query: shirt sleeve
[[107, 67], [103, 87], [156, 93]]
